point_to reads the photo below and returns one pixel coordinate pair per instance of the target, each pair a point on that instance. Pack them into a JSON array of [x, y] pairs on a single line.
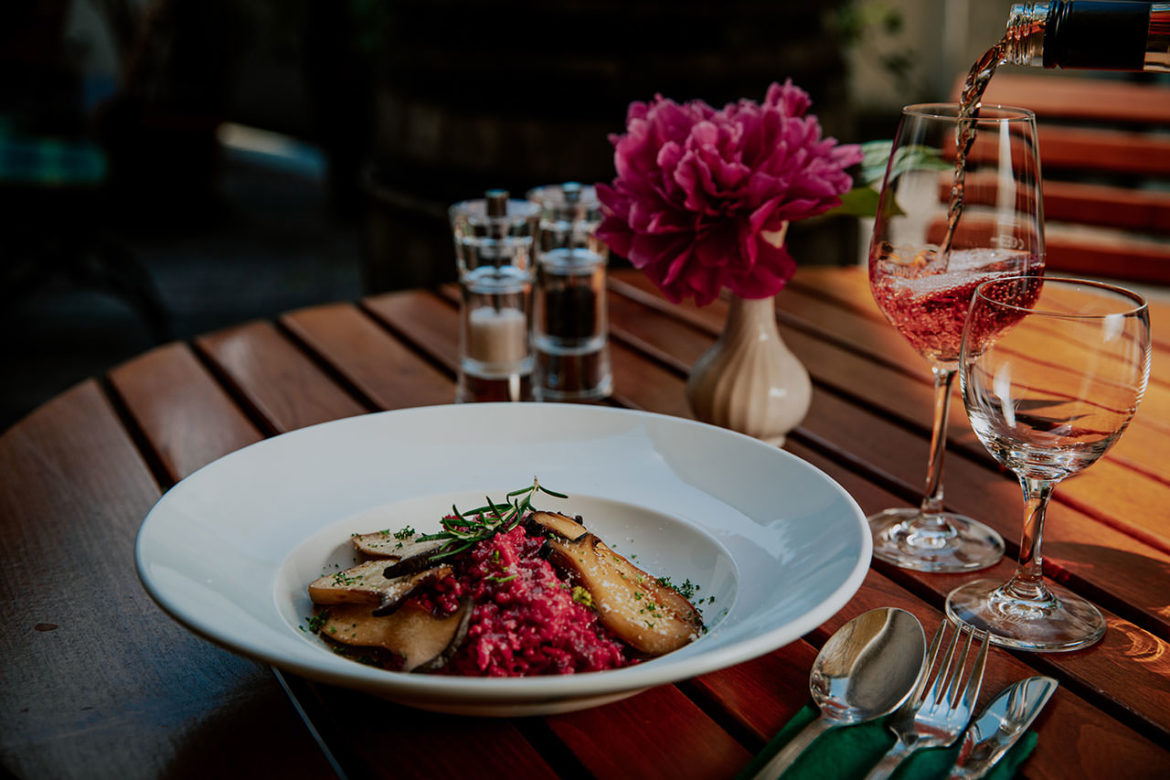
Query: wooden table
[[97, 681]]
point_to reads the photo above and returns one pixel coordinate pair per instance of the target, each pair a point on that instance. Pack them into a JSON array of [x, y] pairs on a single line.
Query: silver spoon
[[865, 671]]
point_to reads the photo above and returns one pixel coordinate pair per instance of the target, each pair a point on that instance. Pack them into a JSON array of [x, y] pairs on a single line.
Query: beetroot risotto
[[505, 590]]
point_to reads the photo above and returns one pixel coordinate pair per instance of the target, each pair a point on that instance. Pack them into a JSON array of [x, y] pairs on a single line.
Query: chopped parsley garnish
[[687, 590], [316, 622]]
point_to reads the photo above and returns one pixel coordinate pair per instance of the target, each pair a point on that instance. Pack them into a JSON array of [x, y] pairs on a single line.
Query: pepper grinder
[[570, 331]]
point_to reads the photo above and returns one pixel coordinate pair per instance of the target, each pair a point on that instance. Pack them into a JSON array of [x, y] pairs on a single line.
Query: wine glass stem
[[1027, 582], [932, 504]]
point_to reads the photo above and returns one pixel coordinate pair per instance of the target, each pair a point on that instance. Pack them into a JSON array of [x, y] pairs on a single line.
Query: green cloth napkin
[[850, 752]]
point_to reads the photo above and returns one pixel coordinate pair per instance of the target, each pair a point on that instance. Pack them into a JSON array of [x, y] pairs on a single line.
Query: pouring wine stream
[[970, 102]]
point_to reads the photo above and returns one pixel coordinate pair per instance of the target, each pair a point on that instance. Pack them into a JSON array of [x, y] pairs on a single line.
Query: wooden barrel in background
[[472, 95]]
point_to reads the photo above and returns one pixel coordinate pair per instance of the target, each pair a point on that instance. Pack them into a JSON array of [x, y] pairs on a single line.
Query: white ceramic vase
[[749, 381]]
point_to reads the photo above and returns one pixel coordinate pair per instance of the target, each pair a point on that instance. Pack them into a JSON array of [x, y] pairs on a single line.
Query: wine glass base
[[1063, 622], [909, 539]]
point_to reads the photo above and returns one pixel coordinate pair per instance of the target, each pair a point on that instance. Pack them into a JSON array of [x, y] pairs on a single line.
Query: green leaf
[[858, 202], [864, 198], [925, 158], [875, 155]]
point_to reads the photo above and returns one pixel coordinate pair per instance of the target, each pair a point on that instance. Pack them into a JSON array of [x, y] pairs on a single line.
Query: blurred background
[[171, 167]]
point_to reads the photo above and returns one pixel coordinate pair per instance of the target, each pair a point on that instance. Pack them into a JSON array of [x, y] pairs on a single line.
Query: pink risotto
[[502, 591], [525, 620]]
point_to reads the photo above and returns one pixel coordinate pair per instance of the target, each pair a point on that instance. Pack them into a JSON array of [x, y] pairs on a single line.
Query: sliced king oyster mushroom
[[367, 584], [384, 544], [424, 642], [650, 617], [561, 525]]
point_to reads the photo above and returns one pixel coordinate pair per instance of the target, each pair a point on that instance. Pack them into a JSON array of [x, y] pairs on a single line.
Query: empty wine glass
[[1052, 372], [960, 204]]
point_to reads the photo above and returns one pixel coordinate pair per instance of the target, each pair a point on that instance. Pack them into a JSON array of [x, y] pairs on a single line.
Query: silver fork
[[936, 716]]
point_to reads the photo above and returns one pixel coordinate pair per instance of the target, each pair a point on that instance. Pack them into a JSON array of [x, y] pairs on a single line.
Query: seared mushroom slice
[[384, 544], [460, 620], [559, 524], [367, 584], [424, 642], [649, 617]]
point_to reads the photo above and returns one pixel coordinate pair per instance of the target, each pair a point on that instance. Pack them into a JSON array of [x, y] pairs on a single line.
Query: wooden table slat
[[284, 387], [385, 371], [372, 737], [154, 384], [431, 324], [79, 689], [659, 733]]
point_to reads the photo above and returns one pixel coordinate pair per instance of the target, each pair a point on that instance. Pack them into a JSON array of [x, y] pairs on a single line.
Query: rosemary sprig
[[462, 530]]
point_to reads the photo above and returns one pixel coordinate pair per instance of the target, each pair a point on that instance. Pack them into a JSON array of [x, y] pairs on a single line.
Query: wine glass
[[960, 204], [1052, 372]]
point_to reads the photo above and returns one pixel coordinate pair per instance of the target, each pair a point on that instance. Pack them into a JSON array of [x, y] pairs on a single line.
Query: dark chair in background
[[53, 199], [53, 175]]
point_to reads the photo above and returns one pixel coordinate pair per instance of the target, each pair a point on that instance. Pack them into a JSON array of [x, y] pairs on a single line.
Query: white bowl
[[775, 546]]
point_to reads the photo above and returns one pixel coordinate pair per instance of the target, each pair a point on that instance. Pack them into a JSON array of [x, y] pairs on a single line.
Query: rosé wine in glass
[[960, 205], [927, 302]]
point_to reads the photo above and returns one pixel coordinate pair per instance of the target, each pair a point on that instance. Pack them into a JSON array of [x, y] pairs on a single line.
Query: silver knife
[[1005, 719]]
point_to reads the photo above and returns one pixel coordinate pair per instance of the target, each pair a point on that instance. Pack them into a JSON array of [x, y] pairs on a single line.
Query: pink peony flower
[[701, 195]]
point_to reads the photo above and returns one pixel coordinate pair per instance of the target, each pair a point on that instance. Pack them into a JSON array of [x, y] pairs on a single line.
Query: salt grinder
[[493, 245]]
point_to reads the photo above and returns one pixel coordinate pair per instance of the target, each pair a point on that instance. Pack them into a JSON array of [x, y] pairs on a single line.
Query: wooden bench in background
[[1105, 154]]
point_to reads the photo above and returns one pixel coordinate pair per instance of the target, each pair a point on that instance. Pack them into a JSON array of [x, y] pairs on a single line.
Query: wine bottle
[[1089, 34]]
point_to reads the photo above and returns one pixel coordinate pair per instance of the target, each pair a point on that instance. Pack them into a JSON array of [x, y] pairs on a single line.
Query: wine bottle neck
[[1024, 42], [1158, 41], [1089, 34]]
